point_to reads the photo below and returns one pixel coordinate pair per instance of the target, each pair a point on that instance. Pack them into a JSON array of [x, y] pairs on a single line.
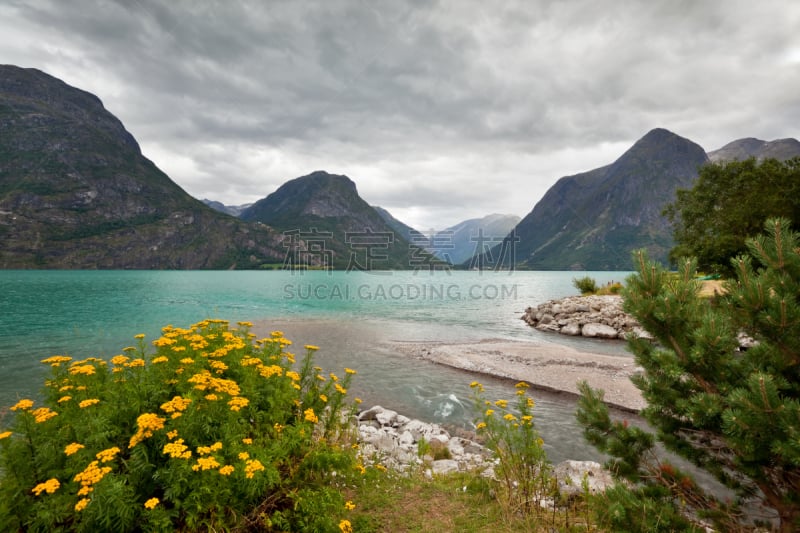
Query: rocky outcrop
[[599, 317], [393, 440]]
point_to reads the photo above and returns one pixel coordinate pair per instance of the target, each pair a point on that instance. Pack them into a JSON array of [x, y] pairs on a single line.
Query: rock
[[599, 330], [570, 476], [444, 466], [571, 328]]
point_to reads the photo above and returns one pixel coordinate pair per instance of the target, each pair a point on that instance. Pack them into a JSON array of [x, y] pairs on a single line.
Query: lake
[[355, 317]]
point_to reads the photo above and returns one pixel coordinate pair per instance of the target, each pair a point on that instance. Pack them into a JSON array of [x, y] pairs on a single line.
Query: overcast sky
[[438, 110]]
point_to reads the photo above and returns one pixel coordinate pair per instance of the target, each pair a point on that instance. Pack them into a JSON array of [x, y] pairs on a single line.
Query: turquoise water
[[354, 317]]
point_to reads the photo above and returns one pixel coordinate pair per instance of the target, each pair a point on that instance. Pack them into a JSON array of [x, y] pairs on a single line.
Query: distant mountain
[[232, 210], [406, 231], [326, 219], [742, 149], [76, 192], [592, 220], [458, 243]]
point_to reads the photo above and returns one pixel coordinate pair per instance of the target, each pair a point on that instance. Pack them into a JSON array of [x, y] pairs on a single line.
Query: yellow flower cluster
[[350, 371], [49, 486], [86, 403], [5, 434], [237, 402], [177, 450], [107, 455], [151, 503], [56, 360], [176, 405], [135, 363], [160, 359], [340, 389], [120, 360], [310, 416], [205, 381], [226, 470], [90, 475], [70, 449], [86, 370], [251, 467], [345, 526], [64, 399], [311, 347], [147, 424], [501, 403], [205, 450], [205, 463], [82, 503], [24, 405], [43, 414], [272, 370]]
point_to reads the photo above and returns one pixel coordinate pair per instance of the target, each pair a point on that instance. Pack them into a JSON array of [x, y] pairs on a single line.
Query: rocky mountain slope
[[232, 210], [592, 220], [460, 242], [76, 192], [326, 219], [742, 149]]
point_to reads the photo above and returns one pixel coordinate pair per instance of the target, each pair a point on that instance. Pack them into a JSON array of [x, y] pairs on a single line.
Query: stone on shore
[[590, 316]]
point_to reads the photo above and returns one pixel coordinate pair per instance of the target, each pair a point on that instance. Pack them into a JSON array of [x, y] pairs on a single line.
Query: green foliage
[[728, 204], [730, 412], [523, 470], [646, 509], [585, 285], [213, 431]]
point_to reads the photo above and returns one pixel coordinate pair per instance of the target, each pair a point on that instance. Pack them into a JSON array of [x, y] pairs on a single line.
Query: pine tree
[[734, 413]]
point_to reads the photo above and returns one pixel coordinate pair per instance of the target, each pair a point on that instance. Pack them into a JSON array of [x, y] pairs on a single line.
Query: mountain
[[76, 192], [326, 220], [742, 149], [401, 228], [592, 220], [459, 243], [232, 210]]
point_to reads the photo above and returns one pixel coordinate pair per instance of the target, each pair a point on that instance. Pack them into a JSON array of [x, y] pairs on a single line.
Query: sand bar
[[549, 367]]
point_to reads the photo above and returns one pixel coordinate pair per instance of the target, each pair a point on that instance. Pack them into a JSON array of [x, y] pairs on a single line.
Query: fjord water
[[355, 317]]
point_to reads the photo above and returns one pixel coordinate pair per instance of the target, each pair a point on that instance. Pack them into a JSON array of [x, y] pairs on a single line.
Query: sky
[[440, 111]]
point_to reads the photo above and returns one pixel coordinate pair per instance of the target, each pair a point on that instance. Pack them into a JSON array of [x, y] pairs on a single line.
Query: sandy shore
[[550, 367]]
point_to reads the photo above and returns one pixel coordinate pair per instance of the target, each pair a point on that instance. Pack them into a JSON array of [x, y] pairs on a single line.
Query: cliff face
[[742, 149], [76, 192], [592, 220]]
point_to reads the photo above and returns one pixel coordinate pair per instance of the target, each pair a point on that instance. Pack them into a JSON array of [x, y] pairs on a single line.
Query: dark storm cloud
[[436, 109]]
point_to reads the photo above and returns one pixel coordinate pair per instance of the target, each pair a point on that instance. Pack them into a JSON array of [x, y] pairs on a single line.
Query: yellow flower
[[244, 456], [480, 425], [527, 418], [87, 370], [510, 417], [43, 414], [23, 404], [340, 389], [5, 435], [278, 427], [358, 400], [49, 486], [522, 385], [247, 440], [172, 434], [501, 403], [81, 505], [350, 371], [349, 505], [237, 402], [177, 450], [120, 359], [107, 455], [251, 467], [151, 503], [530, 403], [520, 392], [135, 363], [245, 324], [311, 347], [226, 470], [69, 449], [176, 404], [334, 377], [310, 416], [86, 403], [205, 463], [345, 526], [139, 336], [147, 423], [160, 359], [489, 412], [56, 360], [64, 399]]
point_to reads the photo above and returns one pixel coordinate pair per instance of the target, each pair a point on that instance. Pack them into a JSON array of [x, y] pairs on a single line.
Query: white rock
[[599, 330], [570, 476], [444, 466]]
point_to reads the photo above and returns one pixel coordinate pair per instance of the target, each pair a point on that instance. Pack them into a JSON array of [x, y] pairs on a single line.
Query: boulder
[[571, 474], [601, 331]]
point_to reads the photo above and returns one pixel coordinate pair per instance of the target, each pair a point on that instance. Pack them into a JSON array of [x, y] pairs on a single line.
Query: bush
[[212, 431], [585, 285], [523, 470]]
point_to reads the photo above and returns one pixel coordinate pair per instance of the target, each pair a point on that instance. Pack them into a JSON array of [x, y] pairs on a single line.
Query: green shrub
[[213, 431], [523, 471], [585, 285]]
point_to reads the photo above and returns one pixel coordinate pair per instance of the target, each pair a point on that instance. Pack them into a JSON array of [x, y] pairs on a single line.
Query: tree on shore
[[729, 203], [733, 413]]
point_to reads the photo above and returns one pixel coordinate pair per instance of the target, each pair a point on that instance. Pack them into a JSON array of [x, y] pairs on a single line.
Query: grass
[[462, 502]]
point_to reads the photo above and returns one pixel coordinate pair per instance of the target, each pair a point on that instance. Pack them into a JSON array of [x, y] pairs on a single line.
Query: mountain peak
[[748, 147]]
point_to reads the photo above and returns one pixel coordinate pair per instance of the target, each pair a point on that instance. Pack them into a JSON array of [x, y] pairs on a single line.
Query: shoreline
[[553, 368]]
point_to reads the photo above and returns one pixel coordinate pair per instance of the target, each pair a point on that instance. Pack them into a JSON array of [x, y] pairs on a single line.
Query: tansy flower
[[107, 455], [22, 404], [177, 450], [160, 359], [86, 403], [349, 505], [247, 440], [64, 399], [323, 397], [226, 470], [120, 359], [501, 403], [310, 416], [480, 425], [251, 467], [151, 503], [205, 463], [311, 347], [5, 435], [350, 371], [489, 412], [49, 486], [345, 526], [43, 414], [522, 385], [510, 417], [340, 389], [139, 336], [238, 402], [81, 505], [69, 449]]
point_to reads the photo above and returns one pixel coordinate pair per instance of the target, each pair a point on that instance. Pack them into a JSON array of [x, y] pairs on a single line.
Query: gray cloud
[[440, 111]]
